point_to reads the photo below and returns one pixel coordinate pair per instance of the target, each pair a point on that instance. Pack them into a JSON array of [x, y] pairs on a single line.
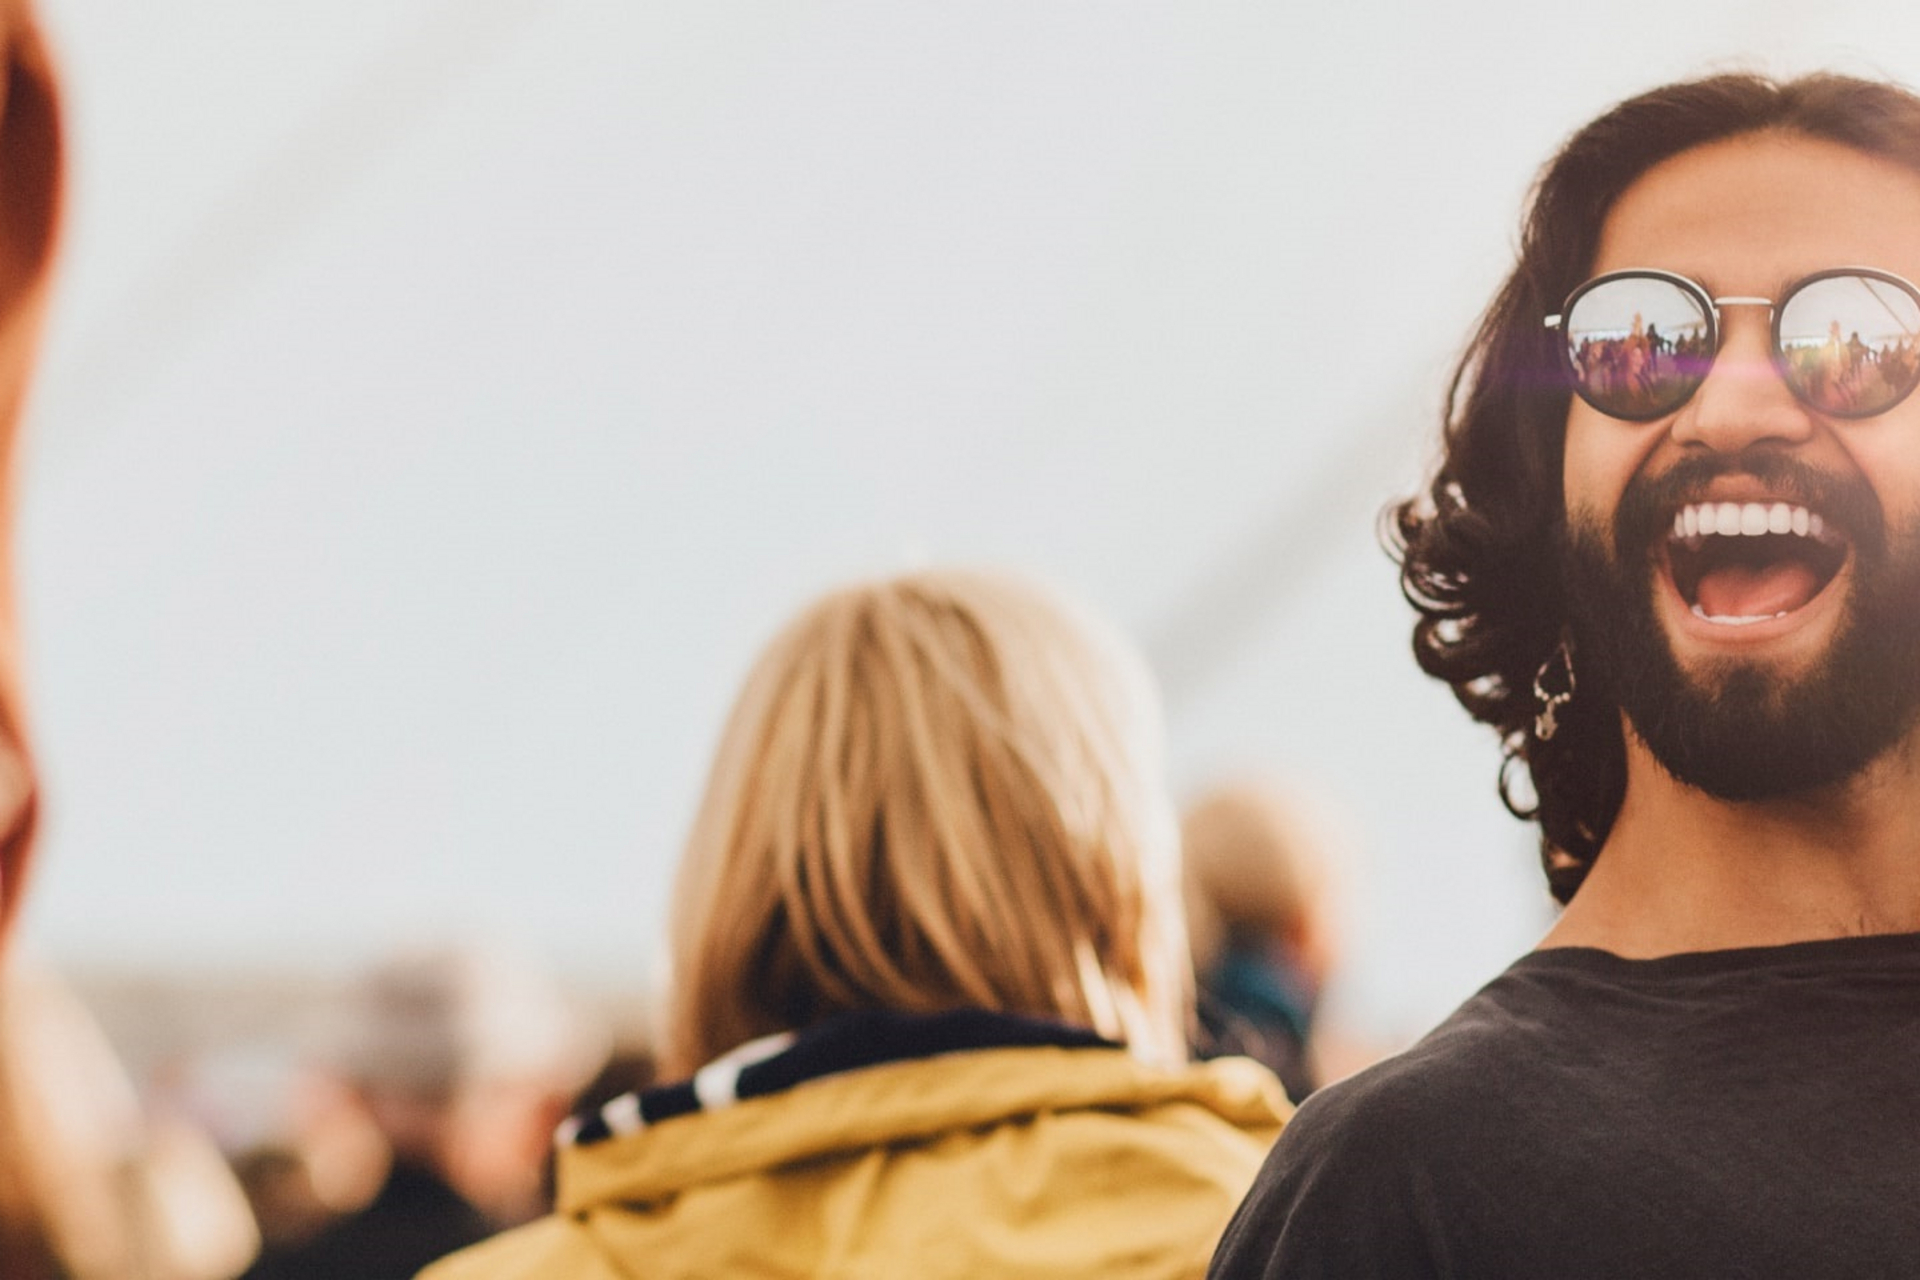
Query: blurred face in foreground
[[29, 211]]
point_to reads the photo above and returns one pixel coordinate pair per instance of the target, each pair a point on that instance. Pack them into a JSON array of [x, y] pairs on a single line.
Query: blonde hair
[[935, 792]]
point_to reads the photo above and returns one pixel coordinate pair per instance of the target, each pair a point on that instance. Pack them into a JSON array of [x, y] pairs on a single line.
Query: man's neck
[[1683, 871]]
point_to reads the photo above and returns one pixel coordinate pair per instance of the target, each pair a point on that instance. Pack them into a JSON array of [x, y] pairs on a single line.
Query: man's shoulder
[[1437, 1085], [1346, 1189], [1508, 1023], [1383, 1172]]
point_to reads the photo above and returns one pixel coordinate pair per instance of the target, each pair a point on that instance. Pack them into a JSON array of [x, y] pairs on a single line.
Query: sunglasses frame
[[1710, 307]]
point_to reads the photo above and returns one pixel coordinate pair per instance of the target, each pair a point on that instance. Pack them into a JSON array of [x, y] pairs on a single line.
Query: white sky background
[[447, 398]]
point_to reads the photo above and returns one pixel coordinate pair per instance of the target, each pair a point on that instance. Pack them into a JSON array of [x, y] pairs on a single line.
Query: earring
[[1546, 720]]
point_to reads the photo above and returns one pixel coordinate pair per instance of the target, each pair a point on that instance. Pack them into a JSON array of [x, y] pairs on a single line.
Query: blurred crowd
[[931, 986], [935, 822]]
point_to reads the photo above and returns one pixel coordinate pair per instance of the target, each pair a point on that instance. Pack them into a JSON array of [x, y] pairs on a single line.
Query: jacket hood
[[1009, 1070], [880, 1145]]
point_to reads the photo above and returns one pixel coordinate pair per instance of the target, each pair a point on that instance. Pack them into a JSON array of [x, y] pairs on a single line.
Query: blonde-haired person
[[930, 996]]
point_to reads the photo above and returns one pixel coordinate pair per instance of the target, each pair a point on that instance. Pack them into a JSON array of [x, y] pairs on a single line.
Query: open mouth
[[1738, 563]]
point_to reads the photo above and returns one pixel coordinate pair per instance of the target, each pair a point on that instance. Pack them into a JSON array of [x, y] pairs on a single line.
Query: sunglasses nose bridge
[[1745, 339], [1744, 367], [1744, 396]]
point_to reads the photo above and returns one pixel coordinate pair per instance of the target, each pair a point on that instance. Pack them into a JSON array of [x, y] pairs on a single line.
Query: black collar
[[847, 1042]]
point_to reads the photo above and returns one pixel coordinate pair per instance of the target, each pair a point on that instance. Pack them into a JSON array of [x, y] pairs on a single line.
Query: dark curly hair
[[1479, 548]]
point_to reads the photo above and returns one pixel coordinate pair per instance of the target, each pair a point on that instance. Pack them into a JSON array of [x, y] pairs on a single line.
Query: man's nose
[[1744, 399]]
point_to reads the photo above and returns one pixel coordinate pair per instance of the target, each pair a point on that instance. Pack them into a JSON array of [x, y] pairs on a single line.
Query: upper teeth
[[1748, 519]]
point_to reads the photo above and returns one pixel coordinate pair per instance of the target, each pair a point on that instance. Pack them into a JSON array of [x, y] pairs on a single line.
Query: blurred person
[[30, 172], [288, 1210], [930, 993], [1260, 926], [119, 1193], [300, 1141], [1691, 608], [30, 181], [464, 1059], [89, 1185]]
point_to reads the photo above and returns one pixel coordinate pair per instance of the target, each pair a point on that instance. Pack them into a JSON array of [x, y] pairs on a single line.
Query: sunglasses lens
[[1638, 346], [1851, 344]]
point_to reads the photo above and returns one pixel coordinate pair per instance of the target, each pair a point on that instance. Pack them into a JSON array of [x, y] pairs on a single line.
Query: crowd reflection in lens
[[1639, 373], [1843, 373]]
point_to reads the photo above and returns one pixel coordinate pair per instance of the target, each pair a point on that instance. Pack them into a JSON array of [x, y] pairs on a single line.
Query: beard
[[1734, 728]]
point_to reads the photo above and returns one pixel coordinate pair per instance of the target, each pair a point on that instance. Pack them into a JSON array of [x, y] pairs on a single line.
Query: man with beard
[[1691, 608]]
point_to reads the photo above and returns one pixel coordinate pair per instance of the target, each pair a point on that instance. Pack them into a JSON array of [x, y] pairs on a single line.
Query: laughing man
[[1681, 577]]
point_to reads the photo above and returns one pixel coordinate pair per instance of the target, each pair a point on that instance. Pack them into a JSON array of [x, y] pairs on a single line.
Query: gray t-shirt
[[1748, 1113]]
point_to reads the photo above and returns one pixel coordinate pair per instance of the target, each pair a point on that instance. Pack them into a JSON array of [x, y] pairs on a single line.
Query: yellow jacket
[[1003, 1162]]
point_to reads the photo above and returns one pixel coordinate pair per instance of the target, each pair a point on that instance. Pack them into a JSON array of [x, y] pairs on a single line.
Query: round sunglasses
[[1639, 343]]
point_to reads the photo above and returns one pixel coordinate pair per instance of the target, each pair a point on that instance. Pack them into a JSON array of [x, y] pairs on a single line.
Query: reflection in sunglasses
[[1639, 343], [1640, 374]]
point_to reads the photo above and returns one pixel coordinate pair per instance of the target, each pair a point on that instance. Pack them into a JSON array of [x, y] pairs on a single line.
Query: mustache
[[1645, 512]]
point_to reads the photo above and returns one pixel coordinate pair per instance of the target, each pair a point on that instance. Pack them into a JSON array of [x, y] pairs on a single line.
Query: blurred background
[[445, 398]]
